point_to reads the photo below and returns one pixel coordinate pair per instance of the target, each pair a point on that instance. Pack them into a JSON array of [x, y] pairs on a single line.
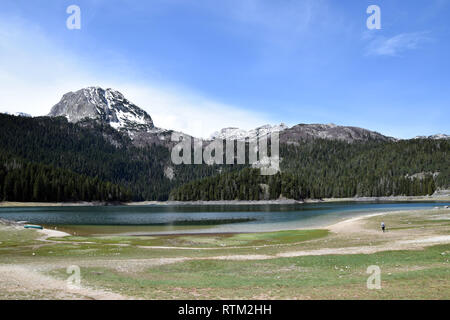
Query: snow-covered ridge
[[19, 114], [240, 134], [434, 137], [109, 106], [22, 114]]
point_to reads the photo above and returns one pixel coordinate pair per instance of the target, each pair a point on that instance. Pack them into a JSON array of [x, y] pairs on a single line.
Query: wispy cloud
[[394, 46], [35, 73], [190, 112], [280, 23], [283, 16]]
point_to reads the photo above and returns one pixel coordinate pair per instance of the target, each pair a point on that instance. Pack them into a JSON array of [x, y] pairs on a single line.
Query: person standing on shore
[[383, 226]]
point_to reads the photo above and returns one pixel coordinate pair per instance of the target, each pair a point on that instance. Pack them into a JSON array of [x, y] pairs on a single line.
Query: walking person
[[383, 226]]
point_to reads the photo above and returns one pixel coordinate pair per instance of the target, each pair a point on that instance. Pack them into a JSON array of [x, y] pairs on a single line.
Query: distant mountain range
[[434, 137], [96, 145], [240, 134], [110, 107], [19, 114]]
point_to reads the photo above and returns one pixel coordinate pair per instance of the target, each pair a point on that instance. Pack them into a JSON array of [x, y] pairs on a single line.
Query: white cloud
[[283, 24], [35, 73], [285, 16], [175, 108], [395, 45]]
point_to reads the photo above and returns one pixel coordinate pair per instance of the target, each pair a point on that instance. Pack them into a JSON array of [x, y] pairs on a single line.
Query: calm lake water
[[153, 219]]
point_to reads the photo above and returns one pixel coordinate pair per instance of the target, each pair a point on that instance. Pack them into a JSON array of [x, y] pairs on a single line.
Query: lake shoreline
[[414, 243], [434, 198]]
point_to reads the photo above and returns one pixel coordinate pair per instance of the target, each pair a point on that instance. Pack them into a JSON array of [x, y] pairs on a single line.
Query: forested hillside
[[323, 169], [50, 159], [93, 150], [25, 181]]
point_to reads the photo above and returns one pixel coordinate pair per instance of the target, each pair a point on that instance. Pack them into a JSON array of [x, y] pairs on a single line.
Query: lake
[[157, 219]]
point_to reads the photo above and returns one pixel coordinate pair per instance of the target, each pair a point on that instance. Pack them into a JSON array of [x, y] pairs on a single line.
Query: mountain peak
[[105, 105], [434, 136], [19, 114], [232, 133], [330, 132]]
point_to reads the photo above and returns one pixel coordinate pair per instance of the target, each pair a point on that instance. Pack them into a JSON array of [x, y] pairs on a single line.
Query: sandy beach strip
[[434, 198]]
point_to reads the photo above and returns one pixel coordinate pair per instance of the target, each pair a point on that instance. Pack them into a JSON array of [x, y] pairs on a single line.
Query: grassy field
[[413, 256], [420, 274]]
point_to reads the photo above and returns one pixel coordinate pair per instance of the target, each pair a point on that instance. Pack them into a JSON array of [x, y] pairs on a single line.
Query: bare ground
[[26, 281]]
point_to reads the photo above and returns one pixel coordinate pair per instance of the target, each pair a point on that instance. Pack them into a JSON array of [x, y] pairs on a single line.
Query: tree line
[[98, 151], [89, 161], [332, 169], [24, 181]]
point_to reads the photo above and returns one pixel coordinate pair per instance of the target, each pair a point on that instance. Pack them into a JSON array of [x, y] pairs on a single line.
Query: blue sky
[[200, 65]]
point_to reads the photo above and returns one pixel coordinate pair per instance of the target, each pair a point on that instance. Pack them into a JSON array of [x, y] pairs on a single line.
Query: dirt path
[[355, 225], [20, 281], [398, 245], [49, 233], [136, 265], [343, 228]]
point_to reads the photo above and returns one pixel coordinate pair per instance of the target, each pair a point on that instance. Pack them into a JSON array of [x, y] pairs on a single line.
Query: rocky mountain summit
[[330, 132], [434, 136], [303, 132], [20, 114], [110, 107], [240, 134], [106, 105]]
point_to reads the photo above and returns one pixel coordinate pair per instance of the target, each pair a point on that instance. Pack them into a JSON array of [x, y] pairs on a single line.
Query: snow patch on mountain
[[434, 137], [240, 134], [108, 106], [22, 114], [305, 132], [19, 114]]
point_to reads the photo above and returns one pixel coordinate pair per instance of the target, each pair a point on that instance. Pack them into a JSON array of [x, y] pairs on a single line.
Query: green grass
[[16, 237], [405, 275], [126, 264], [105, 230], [207, 240]]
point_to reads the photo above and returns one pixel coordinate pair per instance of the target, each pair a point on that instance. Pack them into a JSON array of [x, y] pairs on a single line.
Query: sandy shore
[[434, 198], [50, 204], [49, 233], [30, 278], [438, 198], [442, 198], [217, 202]]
